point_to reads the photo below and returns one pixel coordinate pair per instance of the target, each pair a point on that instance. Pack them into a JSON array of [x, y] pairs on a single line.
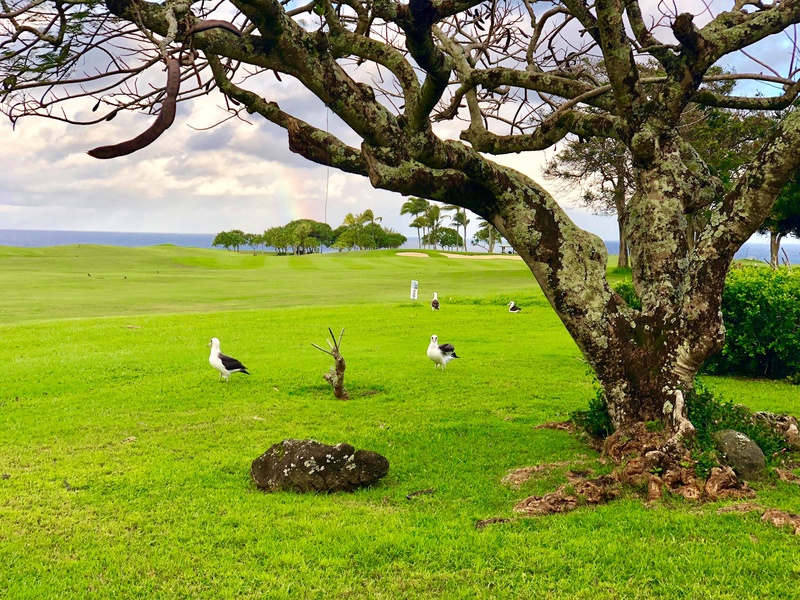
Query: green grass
[[78, 281], [129, 462]]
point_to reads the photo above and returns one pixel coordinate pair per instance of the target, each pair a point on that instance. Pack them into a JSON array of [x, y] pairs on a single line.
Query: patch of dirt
[[558, 425], [741, 507], [780, 518], [483, 256], [414, 254], [517, 477], [483, 523], [787, 476], [772, 516]]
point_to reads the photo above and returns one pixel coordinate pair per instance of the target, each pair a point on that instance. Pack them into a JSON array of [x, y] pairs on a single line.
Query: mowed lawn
[[125, 463]]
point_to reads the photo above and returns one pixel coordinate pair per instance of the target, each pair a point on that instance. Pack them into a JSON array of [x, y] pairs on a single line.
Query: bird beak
[[208, 344]]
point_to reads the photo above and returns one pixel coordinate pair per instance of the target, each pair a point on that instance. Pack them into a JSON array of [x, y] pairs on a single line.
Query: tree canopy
[[430, 90]]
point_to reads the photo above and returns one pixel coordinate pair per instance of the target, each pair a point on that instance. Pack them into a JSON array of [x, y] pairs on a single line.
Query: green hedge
[[761, 309]]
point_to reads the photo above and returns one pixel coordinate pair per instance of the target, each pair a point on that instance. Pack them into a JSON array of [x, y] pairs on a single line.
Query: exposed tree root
[[644, 462], [780, 518], [773, 516]]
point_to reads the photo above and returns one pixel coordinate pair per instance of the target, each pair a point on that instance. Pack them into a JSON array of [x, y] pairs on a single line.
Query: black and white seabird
[[513, 308], [435, 302], [222, 363], [440, 355]]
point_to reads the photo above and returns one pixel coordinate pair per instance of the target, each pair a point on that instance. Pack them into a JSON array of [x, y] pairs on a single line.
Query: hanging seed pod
[[161, 124]]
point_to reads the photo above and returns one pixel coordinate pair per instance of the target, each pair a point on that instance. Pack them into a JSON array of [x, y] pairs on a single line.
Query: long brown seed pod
[[161, 124]]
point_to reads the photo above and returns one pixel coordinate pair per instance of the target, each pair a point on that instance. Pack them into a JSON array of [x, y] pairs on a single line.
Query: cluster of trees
[[361, 232], [428, 221], [305, 236]]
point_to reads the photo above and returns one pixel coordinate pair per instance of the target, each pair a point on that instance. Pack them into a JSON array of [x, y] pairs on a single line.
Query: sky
[[237, 175], [196, 179]]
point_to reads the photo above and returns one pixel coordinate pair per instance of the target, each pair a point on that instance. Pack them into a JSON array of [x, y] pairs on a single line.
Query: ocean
[[28, 238]]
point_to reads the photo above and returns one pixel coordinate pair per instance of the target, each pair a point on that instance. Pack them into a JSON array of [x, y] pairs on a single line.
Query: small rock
[[741, 453], [310, 466]]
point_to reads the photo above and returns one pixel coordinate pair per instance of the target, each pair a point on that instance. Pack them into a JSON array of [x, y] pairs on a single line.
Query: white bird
[[435, 302], [440, 355], [513, 308], [222, 363]]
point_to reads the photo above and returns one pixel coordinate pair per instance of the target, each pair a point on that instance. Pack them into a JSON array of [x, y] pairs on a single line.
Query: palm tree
[[361, 220], [416, 207], [353, 224], [419, 223], [433, 217], [459, 219]]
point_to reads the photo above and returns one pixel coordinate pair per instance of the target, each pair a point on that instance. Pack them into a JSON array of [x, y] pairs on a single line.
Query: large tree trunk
[[645, 360]]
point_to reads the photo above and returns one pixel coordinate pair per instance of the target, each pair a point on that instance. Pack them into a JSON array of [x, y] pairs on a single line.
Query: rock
[[310, 466], [741, 453]]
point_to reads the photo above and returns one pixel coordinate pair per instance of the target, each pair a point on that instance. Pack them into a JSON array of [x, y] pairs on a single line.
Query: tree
[[301, 236], [391, 70], [459, 218], [433, 220], [602, 171], [486, 236], [420, 223], [416, 207], [253, 240], [223, 239], [279, 238], [346, 239], [230, 240], [784, 219], [320, 233], [447, 237], [600, 168]]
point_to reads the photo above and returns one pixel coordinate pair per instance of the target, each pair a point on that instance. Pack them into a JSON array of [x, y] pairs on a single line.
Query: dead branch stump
[[335, 376]]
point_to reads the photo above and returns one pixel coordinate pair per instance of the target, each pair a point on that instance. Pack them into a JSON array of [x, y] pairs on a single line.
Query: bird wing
[[446, 348], [230, 363], [435, 303]]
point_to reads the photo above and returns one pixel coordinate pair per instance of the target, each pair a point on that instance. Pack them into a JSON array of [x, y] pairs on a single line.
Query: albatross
[[440, 355], [513, 308], [435, 302], [222, 363]]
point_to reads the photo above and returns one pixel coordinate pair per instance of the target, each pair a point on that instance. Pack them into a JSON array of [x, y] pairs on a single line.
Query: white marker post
[[414, 288]]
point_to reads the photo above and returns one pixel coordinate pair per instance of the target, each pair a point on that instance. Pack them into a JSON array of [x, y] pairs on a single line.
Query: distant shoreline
[[30, 238]]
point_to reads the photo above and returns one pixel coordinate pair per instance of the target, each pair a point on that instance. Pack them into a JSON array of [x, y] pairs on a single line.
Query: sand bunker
[[483, 256], [469, 256]]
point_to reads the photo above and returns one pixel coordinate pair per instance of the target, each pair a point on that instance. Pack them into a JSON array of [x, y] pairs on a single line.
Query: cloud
[[203, 174]]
